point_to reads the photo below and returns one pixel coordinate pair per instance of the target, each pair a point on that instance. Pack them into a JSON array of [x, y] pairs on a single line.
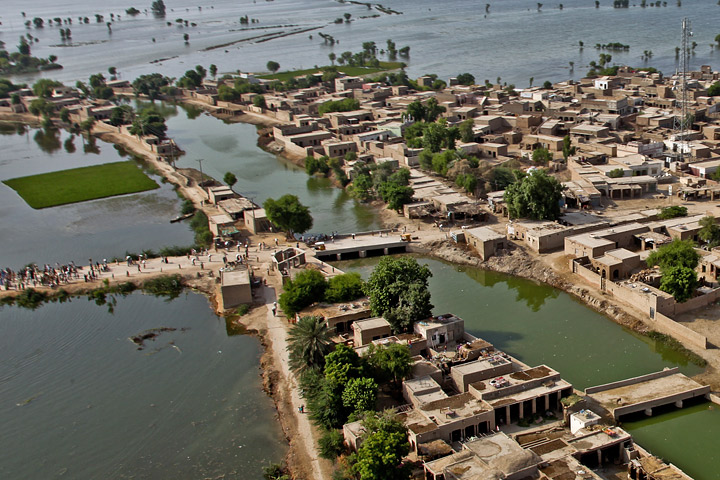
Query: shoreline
[[279, 386]]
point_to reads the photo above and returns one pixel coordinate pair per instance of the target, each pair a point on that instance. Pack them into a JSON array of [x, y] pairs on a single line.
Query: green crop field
[[347, 70], [81, 184]]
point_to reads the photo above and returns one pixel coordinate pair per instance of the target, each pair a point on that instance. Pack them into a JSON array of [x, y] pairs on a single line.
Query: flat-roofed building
[[441, 331], [235, 288], [466, 373], [485, 241], [365, 331]]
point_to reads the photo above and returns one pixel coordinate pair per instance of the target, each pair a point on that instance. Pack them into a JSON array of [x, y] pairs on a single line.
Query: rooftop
[[371, 323]]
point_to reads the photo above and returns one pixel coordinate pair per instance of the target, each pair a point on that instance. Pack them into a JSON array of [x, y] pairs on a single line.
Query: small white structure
[[583, 419]]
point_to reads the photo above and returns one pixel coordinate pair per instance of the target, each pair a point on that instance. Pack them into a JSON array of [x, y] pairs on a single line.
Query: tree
[[433, 110], [541, 156], [417, 111], [289, 214], [112, 71], [230, 179], [332, 57], [382, 450], [308, 343], [213, 70], [65, 115], [273, 66], [44, 87], [149, 122], [616, 173], [391, 363], [40, 106], [52, 58], [259, 101], [344, 288], [536, 196], [714, 89], [709, 231], [158, 8], [360, 394], [150, 85], [395, 195], [678, 253], [568, 148], [186, 37], [433, 137], [466, 79], [23, 47], [122, 115], [672, 212], [398, 291], [680, 282], [302, 291], [466, 130]]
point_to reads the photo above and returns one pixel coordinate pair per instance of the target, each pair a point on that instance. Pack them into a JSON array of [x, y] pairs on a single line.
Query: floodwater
[[540, 324], [97, 229], [232, 147], [512, 40], [684, 437], [79, 400]]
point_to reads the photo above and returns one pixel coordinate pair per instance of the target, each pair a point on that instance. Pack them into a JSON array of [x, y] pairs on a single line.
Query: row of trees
[[373, 181]]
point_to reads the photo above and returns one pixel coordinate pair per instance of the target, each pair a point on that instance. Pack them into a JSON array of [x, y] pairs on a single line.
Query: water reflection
[[91, 146], [192, 112], [48, 139], [534, 296], [12, 129], [69, 144]]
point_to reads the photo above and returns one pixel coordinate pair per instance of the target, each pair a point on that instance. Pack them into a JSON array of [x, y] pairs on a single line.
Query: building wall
[[234, 295], [462, 381]]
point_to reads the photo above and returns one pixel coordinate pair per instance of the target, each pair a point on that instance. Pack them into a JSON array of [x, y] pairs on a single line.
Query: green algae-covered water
[[539, 324], [79, 400], [687, 438]]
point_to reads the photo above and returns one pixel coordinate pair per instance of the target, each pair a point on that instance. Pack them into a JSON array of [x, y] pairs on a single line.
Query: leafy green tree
[[466, 79], [382, 450], [289, 214], [191, 80], [344, 288], [616, 173], [434, 137], [678, 253], [302, 291], [673, 212], [150, 85], [6, 86], [259, 101], [44, 87], [273, 66], [395, 195], [65, 115], [466, 130], [230, 179], [149, 122], [709, 231], [213, 70], [308, 343], [121, 115], [680, 282], [536, 196], [433, 110], [417, 111], [361, 187], [398, 291], [714, 89], [342, 365], [391, 363], [541, 156], [547, 85], [112, 71], [40, 106], [360, 394], [568, 148], [345, 105]]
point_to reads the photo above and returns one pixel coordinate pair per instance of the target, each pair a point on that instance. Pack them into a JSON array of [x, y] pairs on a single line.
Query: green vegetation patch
[[346, 69], [672, 344], [81, 184]]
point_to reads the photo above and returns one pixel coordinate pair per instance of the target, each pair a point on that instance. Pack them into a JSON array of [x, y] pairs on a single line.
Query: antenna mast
[[681, 122]]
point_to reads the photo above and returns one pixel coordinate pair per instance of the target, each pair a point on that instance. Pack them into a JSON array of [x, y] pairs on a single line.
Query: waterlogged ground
[[539, 324], [79, 400]]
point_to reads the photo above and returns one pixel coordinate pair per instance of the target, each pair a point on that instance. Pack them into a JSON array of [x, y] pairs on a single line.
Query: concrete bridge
[[360, 246]]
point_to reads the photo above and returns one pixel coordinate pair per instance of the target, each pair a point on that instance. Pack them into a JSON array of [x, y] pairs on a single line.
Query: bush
[[243, 309], [305, 289], [672, 212], [187, 207], [165, 286], [331, 444]]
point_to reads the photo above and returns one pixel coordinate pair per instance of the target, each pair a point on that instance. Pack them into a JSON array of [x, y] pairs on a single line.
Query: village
[[637, 155]]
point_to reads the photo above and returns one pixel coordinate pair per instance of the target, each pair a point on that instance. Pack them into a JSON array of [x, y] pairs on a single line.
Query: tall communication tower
[[681, 122]]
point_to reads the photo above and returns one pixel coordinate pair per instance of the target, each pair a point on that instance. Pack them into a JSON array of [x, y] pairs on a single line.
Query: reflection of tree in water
[[486, 278], [91, 146], [167, 110], [340, 200], [317, 185], [531, 294], [70, 144], [121, 150], [192, 112], [12, 129], [48, 139]]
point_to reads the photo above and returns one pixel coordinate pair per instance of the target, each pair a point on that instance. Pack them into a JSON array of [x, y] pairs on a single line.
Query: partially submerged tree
[[230, 179]]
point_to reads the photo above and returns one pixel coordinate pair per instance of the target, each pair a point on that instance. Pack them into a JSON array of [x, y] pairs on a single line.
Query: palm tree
[[308, 343]]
